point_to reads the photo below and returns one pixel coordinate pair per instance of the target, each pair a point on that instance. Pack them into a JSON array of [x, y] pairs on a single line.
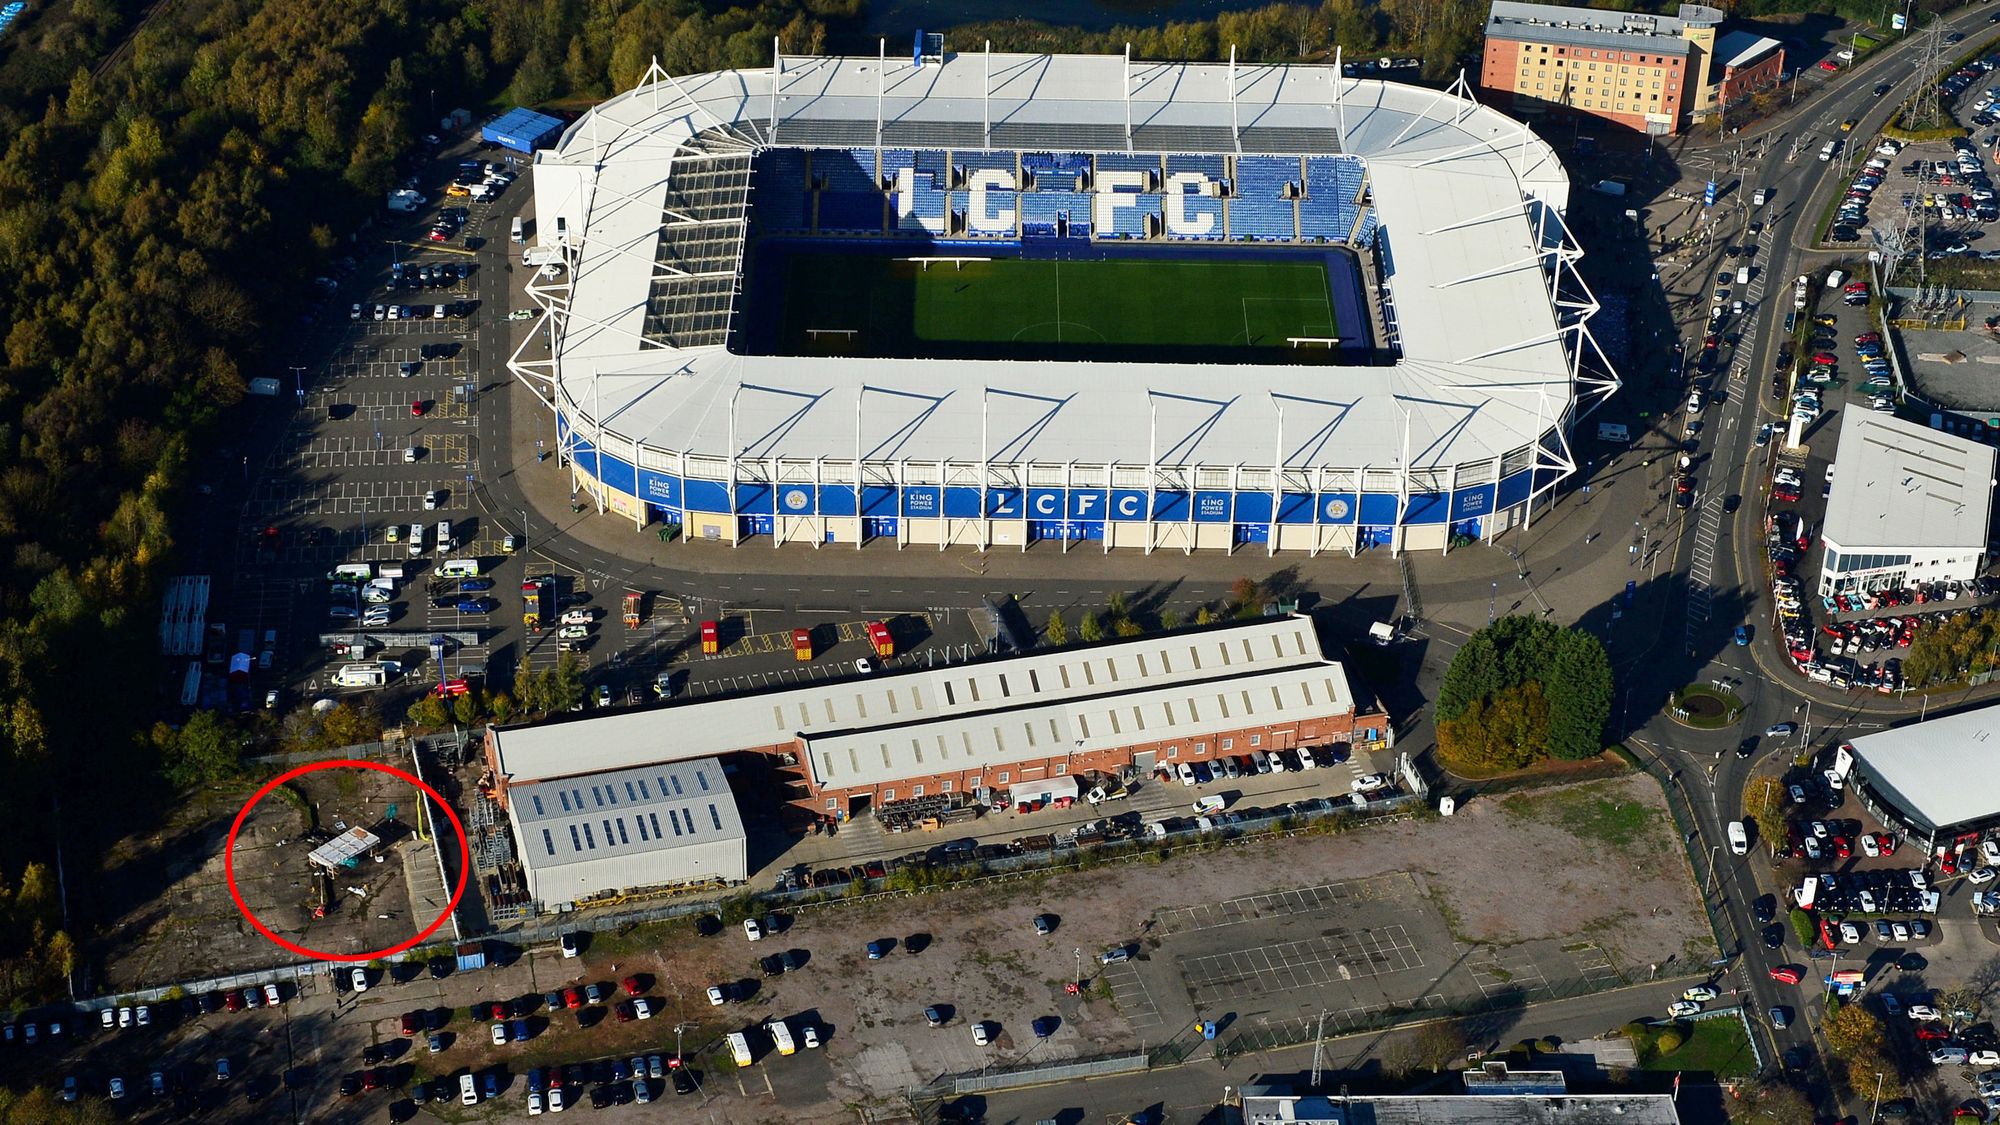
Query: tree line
[[1519, 691]]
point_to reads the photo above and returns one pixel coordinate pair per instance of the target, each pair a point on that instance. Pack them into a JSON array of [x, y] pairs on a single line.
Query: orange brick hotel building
[[1643, 72]]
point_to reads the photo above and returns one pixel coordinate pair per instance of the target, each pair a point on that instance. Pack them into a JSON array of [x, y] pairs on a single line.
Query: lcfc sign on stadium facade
[[991, 193]]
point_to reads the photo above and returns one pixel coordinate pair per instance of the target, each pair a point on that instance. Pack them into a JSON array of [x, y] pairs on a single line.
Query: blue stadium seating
[[979, 161], [1040, 209], [1214, 167], [894, 160], [1192, 208], [851, 212], [842, 169], [1054, 171], [780, 190], [927, 209], [998, 202], [852, 191], [1130, 221], [1265, 176]]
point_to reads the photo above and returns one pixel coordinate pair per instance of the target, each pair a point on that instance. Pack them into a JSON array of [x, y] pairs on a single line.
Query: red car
[[631, 986], [1828, 64], [1925, 1031], [1826, 358], [412, 1022], [1886, 842], [1841, 848], [417, 408], [438, 234], [1868, 338], [1948, 865], [624, 1012], [373, 1078], [572, 998], [232, 1000], [1787, 974]]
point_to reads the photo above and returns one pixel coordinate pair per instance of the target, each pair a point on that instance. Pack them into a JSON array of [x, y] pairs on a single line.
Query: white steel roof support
[[1339, 114], [735, 525], [777, 83], [1235, 131], [881, 71], [986, 125], [1125, 95], [1277, 478]]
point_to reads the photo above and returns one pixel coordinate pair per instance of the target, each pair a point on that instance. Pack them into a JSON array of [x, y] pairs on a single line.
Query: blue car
[[476, 605], [535, 1080], [474, 585], [1742, 634]]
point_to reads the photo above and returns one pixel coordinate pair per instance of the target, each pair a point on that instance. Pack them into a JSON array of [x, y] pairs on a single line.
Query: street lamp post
[[1876, 1106], [1079, 966]]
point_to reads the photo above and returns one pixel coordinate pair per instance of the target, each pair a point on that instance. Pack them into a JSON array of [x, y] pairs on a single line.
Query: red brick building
[[844, 747]]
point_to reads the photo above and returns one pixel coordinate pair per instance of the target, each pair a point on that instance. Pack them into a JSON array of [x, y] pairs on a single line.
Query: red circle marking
[[229, 859]]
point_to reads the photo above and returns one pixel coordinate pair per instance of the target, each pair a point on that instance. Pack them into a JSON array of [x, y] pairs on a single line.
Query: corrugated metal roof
[[884, 755], [1899, 486], [1933, 769], [624, 813], [706, 728]]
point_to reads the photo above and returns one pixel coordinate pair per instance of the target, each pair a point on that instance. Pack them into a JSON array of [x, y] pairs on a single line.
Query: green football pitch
[[864, 304]]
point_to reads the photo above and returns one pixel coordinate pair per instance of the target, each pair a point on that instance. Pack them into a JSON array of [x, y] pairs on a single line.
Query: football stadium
[[992, 300]]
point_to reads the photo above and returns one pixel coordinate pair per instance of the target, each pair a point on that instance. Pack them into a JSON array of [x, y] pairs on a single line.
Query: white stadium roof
[[1466, 200], [1899, 486]]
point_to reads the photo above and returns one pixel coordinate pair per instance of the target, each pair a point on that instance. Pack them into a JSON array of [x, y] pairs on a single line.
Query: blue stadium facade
[[1449, 429]]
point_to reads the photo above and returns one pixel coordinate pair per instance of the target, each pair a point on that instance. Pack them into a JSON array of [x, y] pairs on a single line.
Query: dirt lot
[[182, 924], [1604, 866]]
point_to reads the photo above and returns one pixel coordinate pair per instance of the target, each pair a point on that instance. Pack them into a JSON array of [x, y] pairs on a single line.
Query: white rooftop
[[708, 728], [1740, 48], [624, 813], [1899, 486], [1930, 770], [345, 849], [1484, 370]]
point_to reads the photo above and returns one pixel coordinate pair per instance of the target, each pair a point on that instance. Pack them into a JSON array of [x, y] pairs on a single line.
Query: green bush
[[1804, 928], [1669, 1041]]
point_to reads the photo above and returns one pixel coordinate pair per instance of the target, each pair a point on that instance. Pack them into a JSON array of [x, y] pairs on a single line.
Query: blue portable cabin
[[522, 130]]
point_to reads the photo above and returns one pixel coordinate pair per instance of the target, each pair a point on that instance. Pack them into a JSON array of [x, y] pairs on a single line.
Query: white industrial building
[[664, 824], [1493, 1096], [1909, 505], [1922, 777]]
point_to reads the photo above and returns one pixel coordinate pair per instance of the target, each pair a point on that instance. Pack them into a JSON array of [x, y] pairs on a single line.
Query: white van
[[416, 540], [1739, 838], [1612, 431], [1760, 197], [445, 541], [468, 1091], [520, 233], [1834, 278], [458, 568], [394, 571], [1742, 275], [360, 675], [357, 571], [1827, 150]]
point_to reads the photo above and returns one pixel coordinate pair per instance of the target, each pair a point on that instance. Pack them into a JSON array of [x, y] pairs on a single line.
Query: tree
[[1854, 1031], [1577, 681], [206, 749], [1058, 629], [566, 687], [1090, 629], [1774, 1102], [428, 712], [1570, 706], [1761, 805], [1441, 1044], [465, 709]]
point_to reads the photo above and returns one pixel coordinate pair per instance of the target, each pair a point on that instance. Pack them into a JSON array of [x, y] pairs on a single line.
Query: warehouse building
[[1921, 778], [844, 747], [1909, 505], [666, 824], [522, 130]]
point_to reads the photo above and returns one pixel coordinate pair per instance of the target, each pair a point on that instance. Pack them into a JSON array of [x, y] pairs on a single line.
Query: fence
[[1035, 1075], [302, 975]]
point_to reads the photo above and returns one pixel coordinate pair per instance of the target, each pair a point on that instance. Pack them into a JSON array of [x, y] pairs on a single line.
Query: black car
[[1765, 908], [350, 1084], [683, 1081], [1774, 936], [440, 967], [771, 965], [1882, 89], [793, 959]]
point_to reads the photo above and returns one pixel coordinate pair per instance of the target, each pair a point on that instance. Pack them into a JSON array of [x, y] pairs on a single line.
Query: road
[[1730, 550]]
